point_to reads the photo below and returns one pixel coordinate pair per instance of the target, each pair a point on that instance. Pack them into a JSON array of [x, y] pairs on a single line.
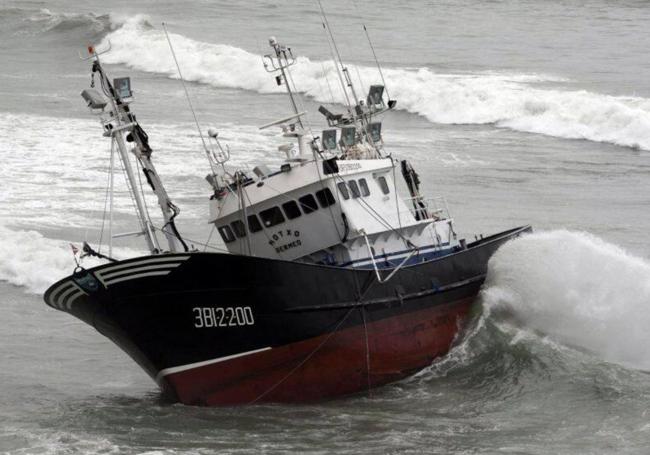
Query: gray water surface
[[516, 111]]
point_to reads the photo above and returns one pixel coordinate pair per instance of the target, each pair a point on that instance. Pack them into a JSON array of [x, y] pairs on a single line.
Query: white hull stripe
[[61, 299], [62, 288], [73, 292], [172, 259], [72, 299], [136, 276], [113, 274], [67, 292], [167, 371]]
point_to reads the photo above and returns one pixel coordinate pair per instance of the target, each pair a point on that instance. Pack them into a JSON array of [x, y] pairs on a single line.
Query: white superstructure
[[334, 200]]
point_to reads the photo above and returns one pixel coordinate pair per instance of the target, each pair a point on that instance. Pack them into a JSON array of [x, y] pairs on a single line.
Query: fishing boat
[[333, 283]]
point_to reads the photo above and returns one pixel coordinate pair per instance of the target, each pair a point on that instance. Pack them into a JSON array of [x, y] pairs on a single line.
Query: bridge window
[[364, 187], [343, 188], [383, 184], [354, 189], [239, 228], [325, 197], [271, 217], [254, 224], [308, 203], [226, 234], [291, 210]]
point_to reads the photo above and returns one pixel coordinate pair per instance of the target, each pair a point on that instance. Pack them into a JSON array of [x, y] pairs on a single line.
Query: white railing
[[435, 206]]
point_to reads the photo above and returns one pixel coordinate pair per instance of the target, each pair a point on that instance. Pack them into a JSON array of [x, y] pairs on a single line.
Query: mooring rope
[[305, 360]]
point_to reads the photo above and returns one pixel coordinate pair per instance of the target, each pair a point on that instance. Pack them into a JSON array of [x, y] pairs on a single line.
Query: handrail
[[435, 205], [374, 263]]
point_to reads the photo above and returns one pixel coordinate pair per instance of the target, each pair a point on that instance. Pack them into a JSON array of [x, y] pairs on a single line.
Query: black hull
[[226, 329]]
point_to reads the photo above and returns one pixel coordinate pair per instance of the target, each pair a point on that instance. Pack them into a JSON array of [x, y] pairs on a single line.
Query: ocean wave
[[89, 23], [34, 262], [33, 21], [179, 159], [516, 101], [576, 289]]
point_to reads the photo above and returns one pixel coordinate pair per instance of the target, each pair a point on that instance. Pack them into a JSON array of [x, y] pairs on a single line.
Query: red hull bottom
[[334, 364]]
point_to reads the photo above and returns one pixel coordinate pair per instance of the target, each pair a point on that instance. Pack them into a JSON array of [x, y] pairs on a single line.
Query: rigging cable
[[297, 94], [106, 197], [327, 79], [131, 191], [332, 46], [203, 244], [365, 332], [381, 73], [372, 48], [305, 360], [189, 100], [266, 234]]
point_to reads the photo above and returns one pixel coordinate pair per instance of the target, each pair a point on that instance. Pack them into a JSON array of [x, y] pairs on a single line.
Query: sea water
[[518, 112]]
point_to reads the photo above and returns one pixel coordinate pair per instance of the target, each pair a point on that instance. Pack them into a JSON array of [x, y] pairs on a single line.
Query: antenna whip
[[187, 95], [381, 73]]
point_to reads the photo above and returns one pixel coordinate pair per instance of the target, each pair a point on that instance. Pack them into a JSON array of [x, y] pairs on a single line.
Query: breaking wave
[[517, 101], [35, 21], [55, 21], [34, 262], [576, 289]]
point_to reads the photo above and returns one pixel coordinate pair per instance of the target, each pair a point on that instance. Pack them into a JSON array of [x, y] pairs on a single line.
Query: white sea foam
[[515, 101], [28, 259], [56, 442], [46, 168], [34, 262], [58, 181], [577, 289]]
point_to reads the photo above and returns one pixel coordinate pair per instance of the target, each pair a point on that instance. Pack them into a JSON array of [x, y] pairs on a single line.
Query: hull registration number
[[206, 317]]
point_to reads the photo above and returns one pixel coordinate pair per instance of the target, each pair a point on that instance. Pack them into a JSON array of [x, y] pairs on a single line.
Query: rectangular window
[[226, 234], [271, 217], [349, 136], [308, 203], [254, 224], [364, 187], [239, 228], [354, 189], [325, 197], [383, 184], [343, 189], [291, 210]]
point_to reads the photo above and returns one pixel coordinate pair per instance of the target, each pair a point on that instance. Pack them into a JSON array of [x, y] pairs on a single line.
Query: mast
[[360, 115], [283, 52], [121, 125], [292, 126]]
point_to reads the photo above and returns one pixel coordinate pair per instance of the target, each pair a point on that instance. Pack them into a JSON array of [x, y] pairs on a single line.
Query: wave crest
[[577, 289], [34, 262], [50, 21], [514, 101]]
